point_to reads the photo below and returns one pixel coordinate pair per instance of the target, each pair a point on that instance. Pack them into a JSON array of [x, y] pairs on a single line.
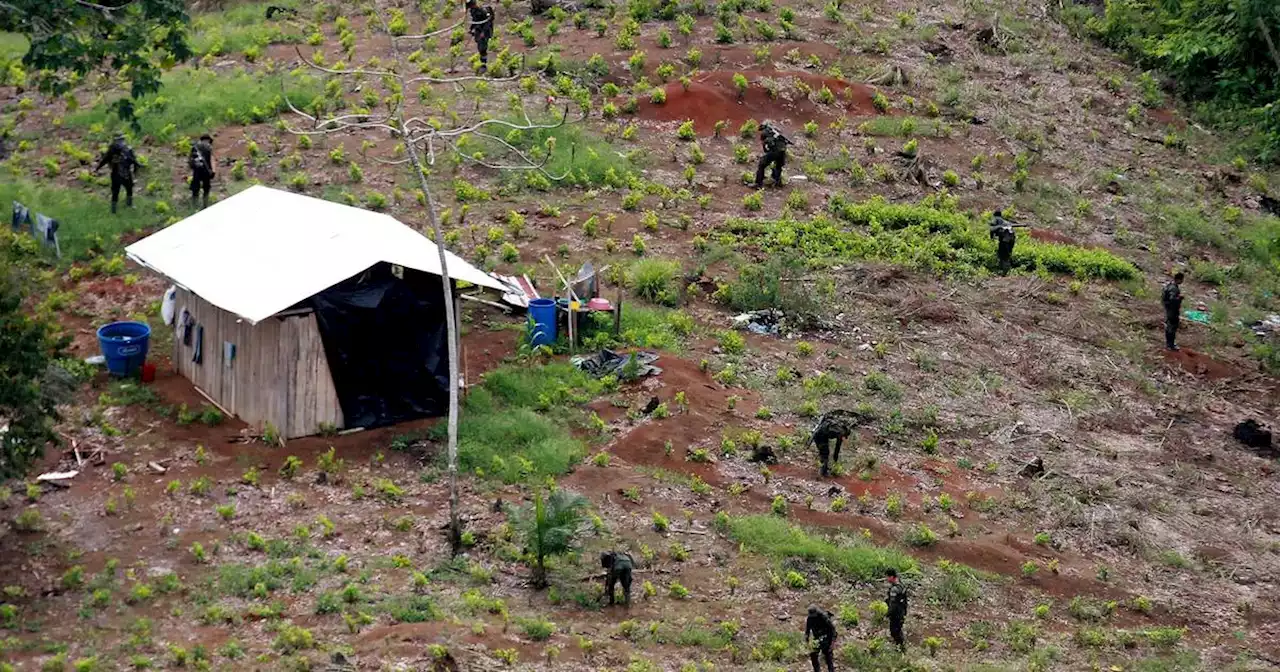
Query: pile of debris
[[624, 367]]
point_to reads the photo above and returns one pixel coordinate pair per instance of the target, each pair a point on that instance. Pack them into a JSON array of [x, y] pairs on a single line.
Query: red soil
[[1051, 236], [646, 443], [712, 97], [1200, 364]]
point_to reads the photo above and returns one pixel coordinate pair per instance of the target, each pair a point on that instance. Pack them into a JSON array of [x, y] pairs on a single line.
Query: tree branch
[[321, 68], [102, 8], [433, 33]]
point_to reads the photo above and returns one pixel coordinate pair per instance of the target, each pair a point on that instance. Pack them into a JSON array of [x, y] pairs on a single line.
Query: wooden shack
[[303, 315], [275, 374]]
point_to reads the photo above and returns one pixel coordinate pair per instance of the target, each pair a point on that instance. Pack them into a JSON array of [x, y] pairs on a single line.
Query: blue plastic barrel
[[124, 345], [542, 322]]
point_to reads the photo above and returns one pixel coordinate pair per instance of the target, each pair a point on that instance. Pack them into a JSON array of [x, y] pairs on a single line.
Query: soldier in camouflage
[[1002, 231], [481, 19], [123, 164], [820, 635], [1171, 297], [775, 153], [618, 566], [897, 602], [834, 425]]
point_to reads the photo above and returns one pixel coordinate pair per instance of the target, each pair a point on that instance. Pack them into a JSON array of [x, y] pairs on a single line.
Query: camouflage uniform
[[481, 29], [123, 163], [822, 630], [897, 601], [619, 566], [775, 154], [1002, 231], [201, 164], [1171, 297]]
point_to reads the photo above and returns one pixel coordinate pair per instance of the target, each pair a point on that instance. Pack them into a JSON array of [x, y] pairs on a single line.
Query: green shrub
[[655, 280], [853, 557], [236, 97], [931, 235]]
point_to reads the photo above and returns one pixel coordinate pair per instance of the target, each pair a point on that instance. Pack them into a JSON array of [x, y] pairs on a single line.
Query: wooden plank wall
[[279, 374]]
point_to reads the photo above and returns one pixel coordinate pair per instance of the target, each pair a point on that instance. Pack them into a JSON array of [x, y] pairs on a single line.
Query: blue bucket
[[542, 322], [124, 345]]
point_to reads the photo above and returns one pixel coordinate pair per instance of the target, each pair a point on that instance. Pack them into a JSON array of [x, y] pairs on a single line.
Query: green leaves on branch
[[71, 39]]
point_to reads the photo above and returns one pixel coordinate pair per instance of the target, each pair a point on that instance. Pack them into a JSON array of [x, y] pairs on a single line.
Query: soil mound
[[1199, 364], [713, 96]]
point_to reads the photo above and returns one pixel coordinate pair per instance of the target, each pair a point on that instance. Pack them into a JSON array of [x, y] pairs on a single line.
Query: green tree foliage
[[27, 349], [1224, 52], [550, 527], [136, 39], [1210, 47]]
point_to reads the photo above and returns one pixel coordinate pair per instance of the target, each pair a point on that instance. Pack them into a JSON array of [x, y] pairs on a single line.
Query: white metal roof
[[263, 250]]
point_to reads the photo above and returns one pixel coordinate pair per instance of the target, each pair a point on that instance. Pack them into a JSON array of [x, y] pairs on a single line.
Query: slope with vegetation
[[182, 543]]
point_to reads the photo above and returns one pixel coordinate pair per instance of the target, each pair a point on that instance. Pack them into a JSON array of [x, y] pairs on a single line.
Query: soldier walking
[[482, 30], [820, 635], [1171, 297], [1002, 231], [201, 163], [897, 601], [123, 164], [775, 153]]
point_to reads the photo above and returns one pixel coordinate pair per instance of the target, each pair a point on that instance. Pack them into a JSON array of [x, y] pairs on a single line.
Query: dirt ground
[[1150, 523]]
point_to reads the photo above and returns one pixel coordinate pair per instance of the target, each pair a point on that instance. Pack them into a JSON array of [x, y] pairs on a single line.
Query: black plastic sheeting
[[385, 341]]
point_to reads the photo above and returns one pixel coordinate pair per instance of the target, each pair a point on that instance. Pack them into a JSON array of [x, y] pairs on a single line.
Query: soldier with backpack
[[1002, 231], [897, 601], [619, 566], [820, 635], [481, 29], [201, 163], [123, 164], [775, 153]]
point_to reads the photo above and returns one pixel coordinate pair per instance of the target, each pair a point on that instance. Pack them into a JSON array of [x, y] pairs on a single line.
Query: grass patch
[[589, 160], [241, 580], [87, 225], [899, 126], [514, 426], [656, 280], [851, 557], [643, 327], [193, 101], [235, 30], [932, 236], [410, 608], [771, 285]]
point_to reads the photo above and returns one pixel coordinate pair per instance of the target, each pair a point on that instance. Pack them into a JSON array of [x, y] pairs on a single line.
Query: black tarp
[[385, 341]]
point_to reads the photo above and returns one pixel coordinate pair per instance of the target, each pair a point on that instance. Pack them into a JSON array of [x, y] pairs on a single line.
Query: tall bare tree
[[424, 142]]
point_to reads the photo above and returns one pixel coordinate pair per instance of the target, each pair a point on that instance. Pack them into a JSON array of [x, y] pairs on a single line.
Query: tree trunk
[[450, 320], [540, 572]]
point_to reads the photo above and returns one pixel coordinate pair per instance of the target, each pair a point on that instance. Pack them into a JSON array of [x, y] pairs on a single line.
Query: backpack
[[197, 160], [897, 600]]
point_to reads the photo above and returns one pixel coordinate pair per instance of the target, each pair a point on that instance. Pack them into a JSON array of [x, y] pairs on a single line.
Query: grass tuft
[[854, 558]]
